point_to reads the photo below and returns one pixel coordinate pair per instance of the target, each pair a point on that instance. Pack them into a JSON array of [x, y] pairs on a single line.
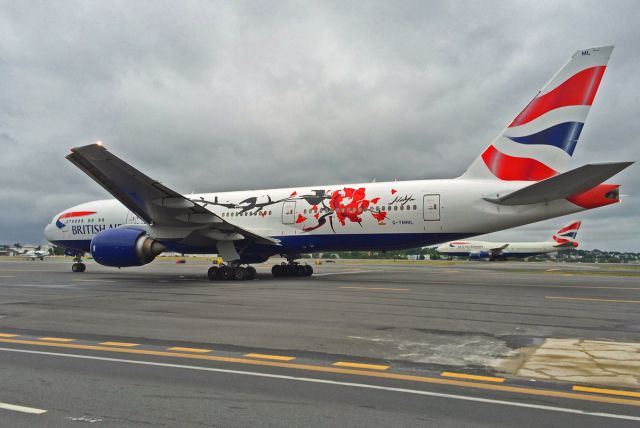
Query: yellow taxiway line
[[339, 370], [360, 365], [606, 391], [122, 344], [270, 357], [56, 339], [473, 377], [196, 350]]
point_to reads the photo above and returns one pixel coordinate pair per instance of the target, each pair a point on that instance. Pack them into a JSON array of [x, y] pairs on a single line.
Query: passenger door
[[431, 206], [289, 212]]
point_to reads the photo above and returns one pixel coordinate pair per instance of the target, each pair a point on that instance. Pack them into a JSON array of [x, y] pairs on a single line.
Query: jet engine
[[479, 254], [124, 247]]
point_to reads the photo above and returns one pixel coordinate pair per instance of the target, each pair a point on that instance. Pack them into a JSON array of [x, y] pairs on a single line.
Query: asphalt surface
[[407, 322]]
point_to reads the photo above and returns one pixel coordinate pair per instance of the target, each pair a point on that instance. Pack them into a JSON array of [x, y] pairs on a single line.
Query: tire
[[276, 271], [212, 273], [252, 272], [308, 269], [299, 270], [286, 270], [240, 273], [75, 267], [83, 267], [225, 273]]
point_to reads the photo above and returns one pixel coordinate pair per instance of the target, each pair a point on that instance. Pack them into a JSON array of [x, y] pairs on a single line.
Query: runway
[[358, 344]]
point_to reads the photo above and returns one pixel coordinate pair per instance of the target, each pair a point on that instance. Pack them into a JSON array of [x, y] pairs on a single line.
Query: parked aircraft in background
[[520, 178], [563, 239], [35, 254]]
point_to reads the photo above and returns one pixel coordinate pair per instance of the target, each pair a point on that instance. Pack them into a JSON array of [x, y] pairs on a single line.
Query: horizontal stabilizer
[[562, 185]]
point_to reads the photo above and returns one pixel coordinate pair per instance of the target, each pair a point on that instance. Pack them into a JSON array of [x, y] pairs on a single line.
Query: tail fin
[[539, 142], [566, 236]]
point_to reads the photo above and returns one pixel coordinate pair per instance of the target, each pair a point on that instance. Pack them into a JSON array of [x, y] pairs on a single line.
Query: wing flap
[[563, 185]]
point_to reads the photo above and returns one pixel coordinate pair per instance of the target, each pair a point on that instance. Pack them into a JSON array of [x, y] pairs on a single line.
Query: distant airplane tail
[[566, 236], [540, 141]]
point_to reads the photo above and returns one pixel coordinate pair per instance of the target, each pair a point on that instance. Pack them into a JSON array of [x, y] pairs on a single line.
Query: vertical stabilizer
[[566, 236], [539, 142]]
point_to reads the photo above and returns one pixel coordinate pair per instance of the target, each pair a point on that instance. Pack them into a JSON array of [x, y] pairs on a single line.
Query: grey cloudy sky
[[208, 96]]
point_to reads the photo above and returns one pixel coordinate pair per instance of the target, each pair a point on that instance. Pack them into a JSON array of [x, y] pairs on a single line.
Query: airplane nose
[[48, 232]]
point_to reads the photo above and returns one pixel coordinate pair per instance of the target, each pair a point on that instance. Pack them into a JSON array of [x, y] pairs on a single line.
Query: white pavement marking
[[22, 409], [348, 272], [41, 285], [333, 382]]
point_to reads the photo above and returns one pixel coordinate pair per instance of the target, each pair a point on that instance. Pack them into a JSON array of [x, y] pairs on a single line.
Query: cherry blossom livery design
[[521, 178], [563, 239]]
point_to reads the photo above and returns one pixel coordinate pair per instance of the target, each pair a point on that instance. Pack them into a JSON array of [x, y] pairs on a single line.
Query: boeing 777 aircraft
[[520, 178], [563, 239]]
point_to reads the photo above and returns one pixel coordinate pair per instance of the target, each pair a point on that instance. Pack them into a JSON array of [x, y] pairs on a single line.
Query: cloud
[[225, 96]]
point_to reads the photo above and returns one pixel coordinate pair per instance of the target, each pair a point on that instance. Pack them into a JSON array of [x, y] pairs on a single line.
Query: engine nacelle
[[124, 247], [479, 254]]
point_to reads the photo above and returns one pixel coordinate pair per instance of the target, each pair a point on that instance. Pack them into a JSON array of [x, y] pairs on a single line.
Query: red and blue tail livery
[[567, 235], [541, 139]]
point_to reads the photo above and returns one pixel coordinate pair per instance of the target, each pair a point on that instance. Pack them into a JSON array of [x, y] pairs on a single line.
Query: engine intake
[[124, 247]]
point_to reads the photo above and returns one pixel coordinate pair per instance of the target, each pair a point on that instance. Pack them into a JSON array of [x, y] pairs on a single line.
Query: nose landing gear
[[77, 265], [231, 272]]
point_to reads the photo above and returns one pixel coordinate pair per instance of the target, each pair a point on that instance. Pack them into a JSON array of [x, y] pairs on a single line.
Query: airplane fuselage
[[365, 216], [510, 249]]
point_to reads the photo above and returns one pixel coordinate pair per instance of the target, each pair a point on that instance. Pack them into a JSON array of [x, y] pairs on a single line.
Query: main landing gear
[[229, 272], [291, 269], [77, 265]]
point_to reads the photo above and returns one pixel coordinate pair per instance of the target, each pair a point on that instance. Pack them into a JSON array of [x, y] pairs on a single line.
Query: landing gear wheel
[[276, 271], [252, 272], [225, 273], [78, 267], [240, 273], [291, 269], [308, 270], [299, 270], [213, 273]]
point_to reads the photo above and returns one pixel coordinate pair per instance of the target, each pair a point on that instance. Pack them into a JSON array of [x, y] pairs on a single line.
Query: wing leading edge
[[147, 198]]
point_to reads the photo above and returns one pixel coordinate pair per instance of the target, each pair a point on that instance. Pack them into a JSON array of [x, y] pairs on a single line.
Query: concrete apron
[[584, 361]]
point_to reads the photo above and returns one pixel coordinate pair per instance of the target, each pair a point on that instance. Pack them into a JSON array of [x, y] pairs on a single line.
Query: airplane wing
[[498, 250], [147, 198], [563, 185]]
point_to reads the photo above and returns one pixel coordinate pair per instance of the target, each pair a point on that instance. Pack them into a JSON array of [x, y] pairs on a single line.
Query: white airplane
[[35, 254], [520, 178], [563, 239]]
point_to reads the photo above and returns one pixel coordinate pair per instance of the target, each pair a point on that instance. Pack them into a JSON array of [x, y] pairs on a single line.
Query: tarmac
[[373, 343]]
